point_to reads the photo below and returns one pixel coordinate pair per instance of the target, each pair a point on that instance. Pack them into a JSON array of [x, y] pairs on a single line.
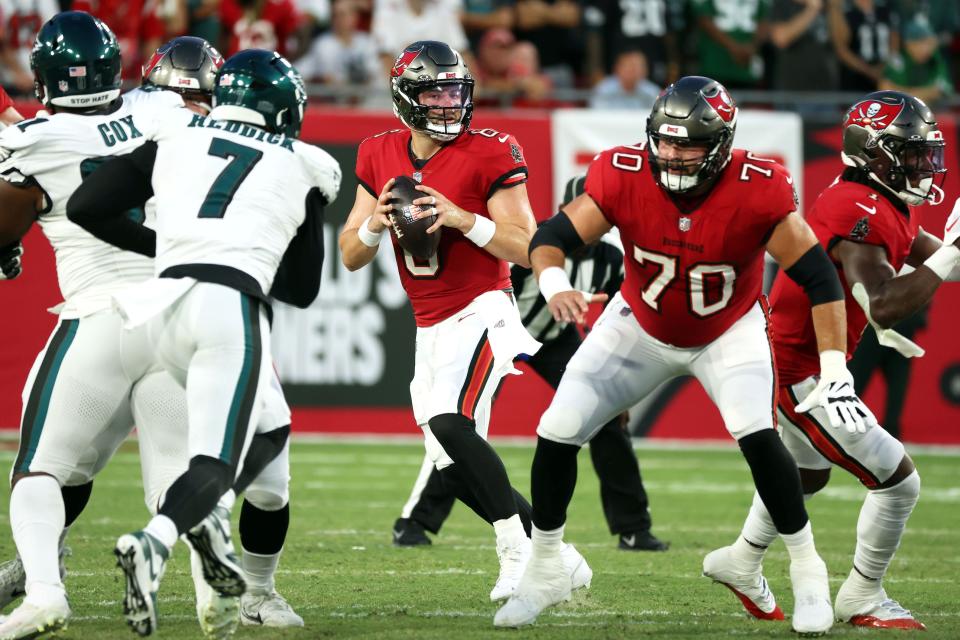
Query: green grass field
[[342, 574]]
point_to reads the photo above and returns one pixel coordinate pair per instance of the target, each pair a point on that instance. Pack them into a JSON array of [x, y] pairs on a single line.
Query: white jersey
[[231, 194], [56, 152]]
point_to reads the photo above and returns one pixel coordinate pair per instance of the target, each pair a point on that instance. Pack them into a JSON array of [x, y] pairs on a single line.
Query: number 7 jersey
[[232, 194], [690, 274]]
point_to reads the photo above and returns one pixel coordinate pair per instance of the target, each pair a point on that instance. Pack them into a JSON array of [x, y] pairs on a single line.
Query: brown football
[[412, 234]]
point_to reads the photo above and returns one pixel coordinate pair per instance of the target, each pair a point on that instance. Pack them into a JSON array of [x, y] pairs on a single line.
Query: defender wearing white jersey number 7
[[239, 204]]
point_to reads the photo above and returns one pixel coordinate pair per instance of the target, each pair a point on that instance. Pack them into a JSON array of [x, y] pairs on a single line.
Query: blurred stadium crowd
[[549, 53]]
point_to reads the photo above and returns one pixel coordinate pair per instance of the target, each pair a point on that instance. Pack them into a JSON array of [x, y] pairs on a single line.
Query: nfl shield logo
[[684, 223], [63, 85], [417, 176]]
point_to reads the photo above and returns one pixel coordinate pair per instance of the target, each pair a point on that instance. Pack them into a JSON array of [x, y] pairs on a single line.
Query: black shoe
[[409, 533], [642, 541]]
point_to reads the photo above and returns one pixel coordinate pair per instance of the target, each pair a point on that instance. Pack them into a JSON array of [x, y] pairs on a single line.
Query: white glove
[[835, 394], [951, 230], [886, 337]]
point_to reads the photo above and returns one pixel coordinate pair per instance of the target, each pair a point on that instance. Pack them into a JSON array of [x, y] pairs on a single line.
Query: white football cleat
[[143, 560], [268, 609], [545, 582], [750, 587], [31, 620], [581, 575], [211, 540], [513, 560], [875, 610], [219, 616], [812, 608], [13, 578]]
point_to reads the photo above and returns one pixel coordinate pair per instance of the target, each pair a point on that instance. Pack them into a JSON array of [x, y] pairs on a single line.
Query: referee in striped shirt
[[595, 268]]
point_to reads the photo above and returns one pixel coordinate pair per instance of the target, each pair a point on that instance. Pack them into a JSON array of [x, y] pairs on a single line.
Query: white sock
[[880, 526], [547, 541], [36, 519], [260, 570], [758, 527], [800, 545], [509, 531], [163, 529], [227, 500]]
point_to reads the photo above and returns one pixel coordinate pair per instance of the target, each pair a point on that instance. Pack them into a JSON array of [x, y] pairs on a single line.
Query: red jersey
[[844, 211], [5, 101], [468, 171], [690, 275], [133, 22], [269, 29]]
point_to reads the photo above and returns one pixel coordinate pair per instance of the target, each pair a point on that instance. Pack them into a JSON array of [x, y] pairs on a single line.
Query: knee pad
[[448, 428], [563, 425], [904, 493]]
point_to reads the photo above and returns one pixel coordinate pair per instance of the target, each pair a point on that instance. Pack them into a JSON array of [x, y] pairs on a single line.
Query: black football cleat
[[409, 533], [641, 541]]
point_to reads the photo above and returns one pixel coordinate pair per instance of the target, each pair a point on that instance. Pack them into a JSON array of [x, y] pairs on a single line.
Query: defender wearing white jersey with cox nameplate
[[239, 202], [82, 393]]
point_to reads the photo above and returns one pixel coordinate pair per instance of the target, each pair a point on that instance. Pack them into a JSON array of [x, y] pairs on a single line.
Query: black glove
[[10, 261]]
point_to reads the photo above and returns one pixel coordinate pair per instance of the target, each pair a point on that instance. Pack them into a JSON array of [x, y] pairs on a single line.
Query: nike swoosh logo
[[953, 224], [251, 618], [870, 210], [504, 137], [629, 541], [462, 318]]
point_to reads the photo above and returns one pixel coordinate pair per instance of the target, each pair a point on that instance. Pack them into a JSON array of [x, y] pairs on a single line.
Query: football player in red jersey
[[468, 327], [893, 150], [695, 217]]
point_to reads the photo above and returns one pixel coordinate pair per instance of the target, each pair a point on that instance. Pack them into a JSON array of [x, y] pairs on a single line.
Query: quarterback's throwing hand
[[571, 306], [10, 266], [434, 203], [835, 393]]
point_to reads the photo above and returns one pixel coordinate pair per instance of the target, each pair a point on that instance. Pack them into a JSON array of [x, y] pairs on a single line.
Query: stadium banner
[[346, 362], [579, 134]]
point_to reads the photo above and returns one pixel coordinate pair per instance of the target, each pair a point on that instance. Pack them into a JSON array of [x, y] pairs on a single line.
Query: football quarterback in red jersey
[[893, 150], [695, 217], [468, 327]]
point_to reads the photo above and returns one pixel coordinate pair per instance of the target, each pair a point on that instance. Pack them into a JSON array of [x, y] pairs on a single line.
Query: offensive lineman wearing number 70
[[695, 217]]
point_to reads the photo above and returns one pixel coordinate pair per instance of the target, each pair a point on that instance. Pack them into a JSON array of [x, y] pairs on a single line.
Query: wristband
[[368, 237], [833, 365], [553, 280], [482, 231], [943, 260]]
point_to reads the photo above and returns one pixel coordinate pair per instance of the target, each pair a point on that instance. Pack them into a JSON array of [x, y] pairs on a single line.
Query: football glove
[[834, 392], [10, 266], [886, 337]]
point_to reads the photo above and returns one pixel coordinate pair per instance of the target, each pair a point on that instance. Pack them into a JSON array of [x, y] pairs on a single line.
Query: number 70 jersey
[[231, 194], [691, 273]]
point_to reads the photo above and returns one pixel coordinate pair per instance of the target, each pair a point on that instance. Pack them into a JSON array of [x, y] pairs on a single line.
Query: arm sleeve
[[101, 202], [298, 278]]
